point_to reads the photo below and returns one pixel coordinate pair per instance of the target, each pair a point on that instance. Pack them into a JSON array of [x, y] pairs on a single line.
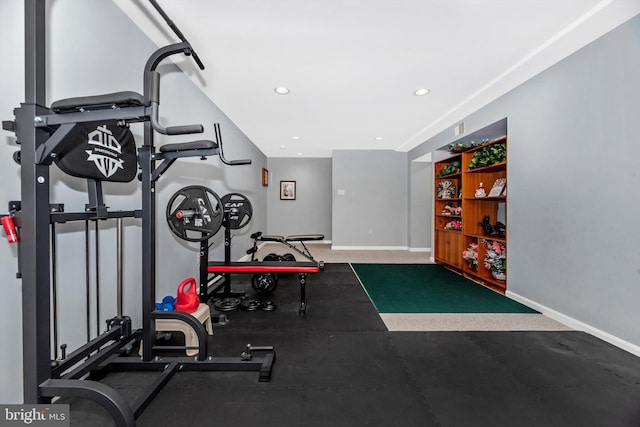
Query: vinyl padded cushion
[[305, 237], [99, 102], [104, 153], [202, 144]]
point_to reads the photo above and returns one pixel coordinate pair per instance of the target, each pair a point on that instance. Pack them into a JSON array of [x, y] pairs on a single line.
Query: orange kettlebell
[[188, 300]]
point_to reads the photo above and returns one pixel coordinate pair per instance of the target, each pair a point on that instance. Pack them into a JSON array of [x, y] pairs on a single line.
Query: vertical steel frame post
[[34, 219]]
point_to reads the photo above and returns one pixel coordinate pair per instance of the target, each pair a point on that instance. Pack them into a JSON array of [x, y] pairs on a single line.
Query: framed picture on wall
[[287, 190], [265, 177]]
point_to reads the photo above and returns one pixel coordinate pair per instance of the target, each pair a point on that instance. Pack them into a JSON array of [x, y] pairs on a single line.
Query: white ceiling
[[352, 65]]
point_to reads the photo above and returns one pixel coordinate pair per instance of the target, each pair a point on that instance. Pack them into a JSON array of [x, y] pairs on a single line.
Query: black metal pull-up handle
[[171, 130], [216, 127], [152, 78], [153, 92], [178, 33]]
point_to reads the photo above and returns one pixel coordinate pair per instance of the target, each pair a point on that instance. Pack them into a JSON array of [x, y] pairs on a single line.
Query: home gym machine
[[187, 221], [45, 134]]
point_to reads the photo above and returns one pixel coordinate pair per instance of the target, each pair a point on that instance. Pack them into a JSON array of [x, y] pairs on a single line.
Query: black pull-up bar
[[177, 31]]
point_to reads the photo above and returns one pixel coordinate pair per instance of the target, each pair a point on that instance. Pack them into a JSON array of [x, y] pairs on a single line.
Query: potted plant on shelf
[[450, 168], [459, 147], [496, 258], [489, 155], [471, 255], [453, 225]]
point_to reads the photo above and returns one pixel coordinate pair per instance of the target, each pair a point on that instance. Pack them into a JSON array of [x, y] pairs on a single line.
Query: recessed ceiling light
[[421, 92], [299, 154], [281, 90], [282, 147], [379, 138], [295, 137]]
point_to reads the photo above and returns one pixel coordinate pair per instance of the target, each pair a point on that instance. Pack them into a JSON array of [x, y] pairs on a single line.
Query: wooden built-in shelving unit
[[450, 243]]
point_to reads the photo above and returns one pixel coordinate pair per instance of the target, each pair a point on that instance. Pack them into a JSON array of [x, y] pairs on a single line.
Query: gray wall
[[86, 61], [573, 186], [373, 211], [11, 84], [420, 205], [310, 213]]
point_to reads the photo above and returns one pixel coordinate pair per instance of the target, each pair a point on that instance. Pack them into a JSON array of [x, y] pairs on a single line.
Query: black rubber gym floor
[[339, 366]]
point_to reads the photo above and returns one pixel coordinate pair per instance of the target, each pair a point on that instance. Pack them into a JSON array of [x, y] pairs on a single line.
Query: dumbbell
[[167, 304]]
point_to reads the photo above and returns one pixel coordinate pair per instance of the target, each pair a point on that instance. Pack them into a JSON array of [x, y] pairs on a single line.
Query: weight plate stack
[[227, 304], [251, 305]]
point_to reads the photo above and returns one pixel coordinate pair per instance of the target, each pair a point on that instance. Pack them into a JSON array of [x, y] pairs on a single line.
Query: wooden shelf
[[482, 236], [492, 168], [496, 198], [449, 244], [450, 176]]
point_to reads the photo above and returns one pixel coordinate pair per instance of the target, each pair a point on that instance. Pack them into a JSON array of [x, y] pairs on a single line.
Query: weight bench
[[301, 238], [302, 268]]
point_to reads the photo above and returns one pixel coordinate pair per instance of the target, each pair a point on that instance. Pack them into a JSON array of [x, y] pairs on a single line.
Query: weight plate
[[271, 257], [251, 305], [237, 209], [288, 257], [194, 213], [264, 283], [227, 304]]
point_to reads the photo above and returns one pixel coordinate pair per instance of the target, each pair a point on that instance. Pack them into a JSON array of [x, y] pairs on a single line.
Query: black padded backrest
[[103, 153], [99, 102]]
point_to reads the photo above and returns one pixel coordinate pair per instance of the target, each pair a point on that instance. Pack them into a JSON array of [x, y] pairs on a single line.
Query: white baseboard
[[419, 249], [369, 248], [576, 324]]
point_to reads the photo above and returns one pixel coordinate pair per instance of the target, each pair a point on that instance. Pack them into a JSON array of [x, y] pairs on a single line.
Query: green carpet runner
[[429, 288]]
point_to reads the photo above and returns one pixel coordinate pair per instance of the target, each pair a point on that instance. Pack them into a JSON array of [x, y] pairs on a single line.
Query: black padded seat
[[271, 238], [203, 144], [305, 237], [99, 102], [295, 238]]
